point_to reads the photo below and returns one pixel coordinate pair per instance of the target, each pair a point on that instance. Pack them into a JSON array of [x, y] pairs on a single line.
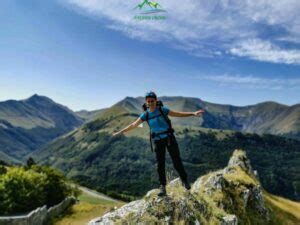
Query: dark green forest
[[125, 167]]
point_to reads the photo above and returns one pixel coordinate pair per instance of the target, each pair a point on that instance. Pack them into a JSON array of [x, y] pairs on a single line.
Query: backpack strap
[[166, 118], [170, 130], [147, 120]]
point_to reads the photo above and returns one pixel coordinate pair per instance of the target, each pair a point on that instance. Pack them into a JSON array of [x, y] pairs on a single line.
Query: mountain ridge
[[27, 124], [265, 117]]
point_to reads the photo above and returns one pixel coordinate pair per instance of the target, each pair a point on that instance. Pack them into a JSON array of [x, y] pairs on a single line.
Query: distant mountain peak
[[129, 98], [37, 97], [271, 103]]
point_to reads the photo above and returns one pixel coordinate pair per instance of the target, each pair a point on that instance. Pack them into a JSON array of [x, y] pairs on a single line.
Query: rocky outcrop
[[234, 189], [229, 196]]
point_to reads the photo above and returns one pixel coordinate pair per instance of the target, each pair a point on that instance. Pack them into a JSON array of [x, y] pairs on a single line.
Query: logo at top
[[148, 7]]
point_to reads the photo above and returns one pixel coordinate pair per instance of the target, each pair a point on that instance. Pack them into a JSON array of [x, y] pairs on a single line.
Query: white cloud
[[254, 82], [207, 28], [266, 51]]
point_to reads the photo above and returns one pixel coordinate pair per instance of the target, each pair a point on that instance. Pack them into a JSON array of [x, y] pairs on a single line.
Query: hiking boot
[[186, 184], [162, 190]]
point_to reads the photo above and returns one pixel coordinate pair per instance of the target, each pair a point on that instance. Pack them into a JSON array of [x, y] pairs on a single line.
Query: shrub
[[23, 189]]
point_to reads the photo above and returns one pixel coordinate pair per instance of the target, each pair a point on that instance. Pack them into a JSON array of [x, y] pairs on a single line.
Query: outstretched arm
[[129, 127], [185, 114]]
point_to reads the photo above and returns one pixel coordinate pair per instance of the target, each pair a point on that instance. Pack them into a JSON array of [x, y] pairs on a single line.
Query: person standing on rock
[[162, 133]]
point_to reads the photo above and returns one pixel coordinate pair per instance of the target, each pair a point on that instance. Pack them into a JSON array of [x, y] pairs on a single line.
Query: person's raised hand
[[199, 112], [116, 133]]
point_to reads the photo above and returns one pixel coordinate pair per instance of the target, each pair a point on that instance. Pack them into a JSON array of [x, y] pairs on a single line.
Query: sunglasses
[[150, 101]]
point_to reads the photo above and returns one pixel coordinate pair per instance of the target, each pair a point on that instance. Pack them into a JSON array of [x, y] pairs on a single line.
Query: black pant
[[160, 150]]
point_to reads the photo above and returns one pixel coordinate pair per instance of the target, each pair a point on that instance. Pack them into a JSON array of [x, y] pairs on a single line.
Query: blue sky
[[89, 54]]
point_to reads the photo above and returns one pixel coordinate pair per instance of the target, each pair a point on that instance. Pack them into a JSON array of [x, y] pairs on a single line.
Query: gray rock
[[192, 207], [175, 183], [239, 158], [229, 220], [245, 196], [136, 207]]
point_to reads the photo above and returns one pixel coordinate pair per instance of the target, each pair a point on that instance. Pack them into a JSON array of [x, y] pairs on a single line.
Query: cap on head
[[150, 94]]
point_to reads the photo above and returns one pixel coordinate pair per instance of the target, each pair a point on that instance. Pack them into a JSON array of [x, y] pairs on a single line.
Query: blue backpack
[[170, 130]]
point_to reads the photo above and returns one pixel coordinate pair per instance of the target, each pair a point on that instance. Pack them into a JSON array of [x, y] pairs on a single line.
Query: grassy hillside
[[125, 164], [88, 208], [266, 117], [90, 115], [28, 124], [286, 212]]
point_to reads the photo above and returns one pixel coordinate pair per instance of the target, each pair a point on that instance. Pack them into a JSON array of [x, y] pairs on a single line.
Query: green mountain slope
[[125, 164], [8, 159], [266, 117], [28, 124], [89, 115]]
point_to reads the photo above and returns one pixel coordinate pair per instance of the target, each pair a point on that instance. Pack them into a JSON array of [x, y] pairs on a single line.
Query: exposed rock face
[[234, 189], [240, 159], [225, 197], [229, 220]]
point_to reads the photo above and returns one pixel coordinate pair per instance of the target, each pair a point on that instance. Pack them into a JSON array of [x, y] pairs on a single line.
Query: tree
[[30, 162], [3, 170]]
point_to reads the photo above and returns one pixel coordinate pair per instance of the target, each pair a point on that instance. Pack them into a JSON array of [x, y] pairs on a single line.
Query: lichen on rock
[[229, 196]]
